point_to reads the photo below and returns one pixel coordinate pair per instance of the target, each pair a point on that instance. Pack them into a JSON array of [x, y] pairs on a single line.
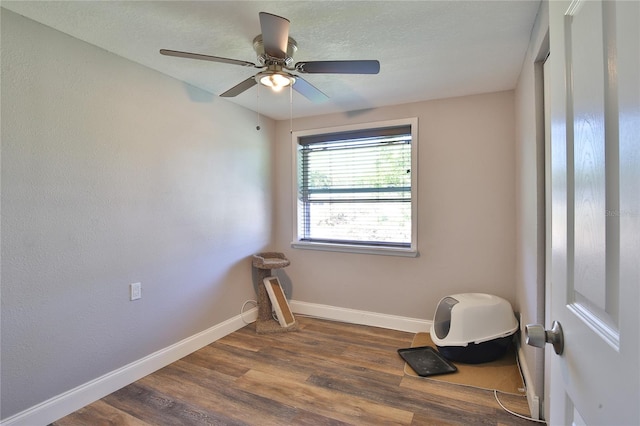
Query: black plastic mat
[[426, 361]]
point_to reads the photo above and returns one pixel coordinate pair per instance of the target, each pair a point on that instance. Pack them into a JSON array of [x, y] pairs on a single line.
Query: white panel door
[[595, 211]]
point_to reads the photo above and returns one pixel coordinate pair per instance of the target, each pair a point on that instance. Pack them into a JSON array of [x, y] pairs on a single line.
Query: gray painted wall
[[530, 213], [466, 209], [113, 174]]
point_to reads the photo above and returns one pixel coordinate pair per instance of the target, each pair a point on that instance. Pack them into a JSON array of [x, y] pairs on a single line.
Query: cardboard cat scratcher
[[271, 298]]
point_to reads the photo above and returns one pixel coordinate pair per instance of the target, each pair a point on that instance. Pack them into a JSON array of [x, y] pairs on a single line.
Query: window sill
[[346, 248]]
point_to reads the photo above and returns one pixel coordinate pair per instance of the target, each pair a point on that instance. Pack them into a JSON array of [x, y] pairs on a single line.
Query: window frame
[[412, 250]]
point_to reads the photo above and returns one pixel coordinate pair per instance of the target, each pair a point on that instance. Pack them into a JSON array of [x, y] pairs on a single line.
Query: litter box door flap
[[442, 319]]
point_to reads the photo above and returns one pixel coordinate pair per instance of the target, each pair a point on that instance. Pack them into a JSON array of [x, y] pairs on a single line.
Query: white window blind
[[355, 187]]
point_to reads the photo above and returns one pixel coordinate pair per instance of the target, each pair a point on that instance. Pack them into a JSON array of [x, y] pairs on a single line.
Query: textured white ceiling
[[427, 49]]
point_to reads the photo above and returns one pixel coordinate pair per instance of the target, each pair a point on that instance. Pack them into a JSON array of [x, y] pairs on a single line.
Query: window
[[356, 188]]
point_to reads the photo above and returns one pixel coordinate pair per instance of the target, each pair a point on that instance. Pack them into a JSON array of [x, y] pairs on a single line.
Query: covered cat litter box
[[473, 327]]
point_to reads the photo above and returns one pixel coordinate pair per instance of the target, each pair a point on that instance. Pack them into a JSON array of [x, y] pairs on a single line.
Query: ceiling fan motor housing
[[264, 59]]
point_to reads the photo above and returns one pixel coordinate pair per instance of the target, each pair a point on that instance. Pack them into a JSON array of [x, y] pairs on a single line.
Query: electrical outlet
[[135, 291]]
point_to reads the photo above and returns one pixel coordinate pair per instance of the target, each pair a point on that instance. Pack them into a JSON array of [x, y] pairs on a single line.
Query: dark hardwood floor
[[327, 373]]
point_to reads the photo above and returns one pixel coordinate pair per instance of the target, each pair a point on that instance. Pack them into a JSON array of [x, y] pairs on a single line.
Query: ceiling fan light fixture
[[275, 80]]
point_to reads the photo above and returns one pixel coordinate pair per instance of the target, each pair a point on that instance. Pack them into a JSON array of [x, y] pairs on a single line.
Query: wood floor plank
[[225, 363], [438, 406], [361, 335], [100, 414], [157, 407], [229, 402], [242, 341], [515, 403], [287, 362], [252, 360], [478, 402], [466, 394], [378, 359], [314, 399]]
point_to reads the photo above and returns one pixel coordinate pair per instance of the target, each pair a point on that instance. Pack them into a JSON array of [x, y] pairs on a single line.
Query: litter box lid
[[466, 318]]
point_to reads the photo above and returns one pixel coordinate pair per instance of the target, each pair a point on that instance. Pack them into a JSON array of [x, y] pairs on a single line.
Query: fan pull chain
[[291, 108], [258, 106]]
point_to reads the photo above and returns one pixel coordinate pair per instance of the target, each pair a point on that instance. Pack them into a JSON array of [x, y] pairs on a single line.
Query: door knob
[[537, 336]]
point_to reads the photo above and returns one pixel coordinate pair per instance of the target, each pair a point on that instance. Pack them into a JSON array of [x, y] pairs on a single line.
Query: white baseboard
[[74, 399], [412, 325], [532, 399]]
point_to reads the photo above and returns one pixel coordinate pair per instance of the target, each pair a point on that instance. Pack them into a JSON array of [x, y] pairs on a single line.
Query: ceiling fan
[[275, 50]]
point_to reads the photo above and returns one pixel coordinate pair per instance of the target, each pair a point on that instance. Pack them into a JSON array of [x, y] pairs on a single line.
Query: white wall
[[113, 174], [529, 159], [466, 226]]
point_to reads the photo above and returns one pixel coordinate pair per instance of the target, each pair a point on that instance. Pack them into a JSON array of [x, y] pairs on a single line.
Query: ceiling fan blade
[[308, 90], [339, 67], [275, 34], [206, 58], [239, 88]]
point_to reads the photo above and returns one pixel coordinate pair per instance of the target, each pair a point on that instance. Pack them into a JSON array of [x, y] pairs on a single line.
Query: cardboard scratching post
[[264, 263]]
